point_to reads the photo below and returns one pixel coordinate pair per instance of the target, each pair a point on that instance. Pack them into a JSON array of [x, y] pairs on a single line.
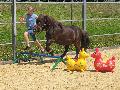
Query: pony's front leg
[[66, 50], [48, 49]]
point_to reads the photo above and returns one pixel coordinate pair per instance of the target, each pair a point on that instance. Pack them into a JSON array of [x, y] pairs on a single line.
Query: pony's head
[[44, 22]]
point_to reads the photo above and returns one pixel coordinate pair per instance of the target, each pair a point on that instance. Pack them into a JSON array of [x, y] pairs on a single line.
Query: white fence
[[87, 19], [83, 20], [65, 3]]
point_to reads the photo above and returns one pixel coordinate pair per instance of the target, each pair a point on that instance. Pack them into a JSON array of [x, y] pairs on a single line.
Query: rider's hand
[[21, 19]]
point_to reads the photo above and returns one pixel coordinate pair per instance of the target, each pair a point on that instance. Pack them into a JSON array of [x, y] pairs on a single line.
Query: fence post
[[71, 12], [14, 29], [84, 15]]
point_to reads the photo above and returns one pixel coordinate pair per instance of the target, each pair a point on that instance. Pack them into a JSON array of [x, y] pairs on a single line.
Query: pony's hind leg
[[66, 50], [77, 46]]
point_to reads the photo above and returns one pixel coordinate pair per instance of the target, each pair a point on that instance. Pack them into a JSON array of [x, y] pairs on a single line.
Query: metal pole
[[71, 10], [84, 15], [14, 29]]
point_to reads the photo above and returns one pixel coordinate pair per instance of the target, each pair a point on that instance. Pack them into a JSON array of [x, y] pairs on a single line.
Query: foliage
[[63, 12]]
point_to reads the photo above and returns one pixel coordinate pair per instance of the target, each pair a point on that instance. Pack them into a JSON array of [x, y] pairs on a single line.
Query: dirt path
[[33, 76]]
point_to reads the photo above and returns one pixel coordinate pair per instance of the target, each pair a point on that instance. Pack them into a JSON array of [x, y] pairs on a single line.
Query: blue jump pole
[[58, 58], [38, 54]]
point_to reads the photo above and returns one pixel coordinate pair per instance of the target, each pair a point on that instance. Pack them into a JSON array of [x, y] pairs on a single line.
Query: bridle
[[43, 27]]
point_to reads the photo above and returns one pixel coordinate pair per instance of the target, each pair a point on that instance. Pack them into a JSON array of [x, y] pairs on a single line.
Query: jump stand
[[57, 62], [26, 56]]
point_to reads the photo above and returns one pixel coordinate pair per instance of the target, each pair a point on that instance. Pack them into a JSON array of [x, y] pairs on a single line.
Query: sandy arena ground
[[35, 76]]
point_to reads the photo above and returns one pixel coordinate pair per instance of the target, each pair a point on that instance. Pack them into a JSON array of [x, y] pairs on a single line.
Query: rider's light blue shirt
[[31, 21]]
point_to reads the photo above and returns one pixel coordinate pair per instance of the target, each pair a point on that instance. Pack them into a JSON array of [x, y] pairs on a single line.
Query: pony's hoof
[[51, 53]]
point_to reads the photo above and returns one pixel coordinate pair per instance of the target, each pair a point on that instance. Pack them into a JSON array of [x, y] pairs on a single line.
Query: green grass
[[63, 12]]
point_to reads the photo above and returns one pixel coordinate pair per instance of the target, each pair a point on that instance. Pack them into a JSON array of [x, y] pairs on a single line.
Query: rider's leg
[[36, 42], [26, 38]]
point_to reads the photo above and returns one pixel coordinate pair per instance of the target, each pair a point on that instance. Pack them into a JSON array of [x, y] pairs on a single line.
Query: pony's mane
[[55, 22], [51, 21]]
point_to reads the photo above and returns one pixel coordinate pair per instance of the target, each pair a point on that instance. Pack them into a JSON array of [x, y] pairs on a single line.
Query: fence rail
[[60, 2], [91, 19], [45, 40]]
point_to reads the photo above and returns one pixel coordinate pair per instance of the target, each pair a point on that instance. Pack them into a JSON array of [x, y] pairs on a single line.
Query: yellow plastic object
[[80, 64], [70, 63]]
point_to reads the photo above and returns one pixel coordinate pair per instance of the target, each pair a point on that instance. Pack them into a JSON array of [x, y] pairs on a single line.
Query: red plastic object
[[101, 66]]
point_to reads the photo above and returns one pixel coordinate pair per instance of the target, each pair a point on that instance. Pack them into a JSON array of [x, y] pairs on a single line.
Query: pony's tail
[[85, 41]]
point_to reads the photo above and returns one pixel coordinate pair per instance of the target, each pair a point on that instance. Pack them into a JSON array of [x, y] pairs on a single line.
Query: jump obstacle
[[27, 56]]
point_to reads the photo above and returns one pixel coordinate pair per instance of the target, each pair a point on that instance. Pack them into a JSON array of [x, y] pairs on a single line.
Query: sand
[[36, 76]]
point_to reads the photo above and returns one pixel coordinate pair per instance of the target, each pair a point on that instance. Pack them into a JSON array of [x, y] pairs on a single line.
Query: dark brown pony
[[60, 34]]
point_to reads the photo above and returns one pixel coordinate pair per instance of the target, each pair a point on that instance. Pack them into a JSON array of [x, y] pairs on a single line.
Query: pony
[[60, 34]]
